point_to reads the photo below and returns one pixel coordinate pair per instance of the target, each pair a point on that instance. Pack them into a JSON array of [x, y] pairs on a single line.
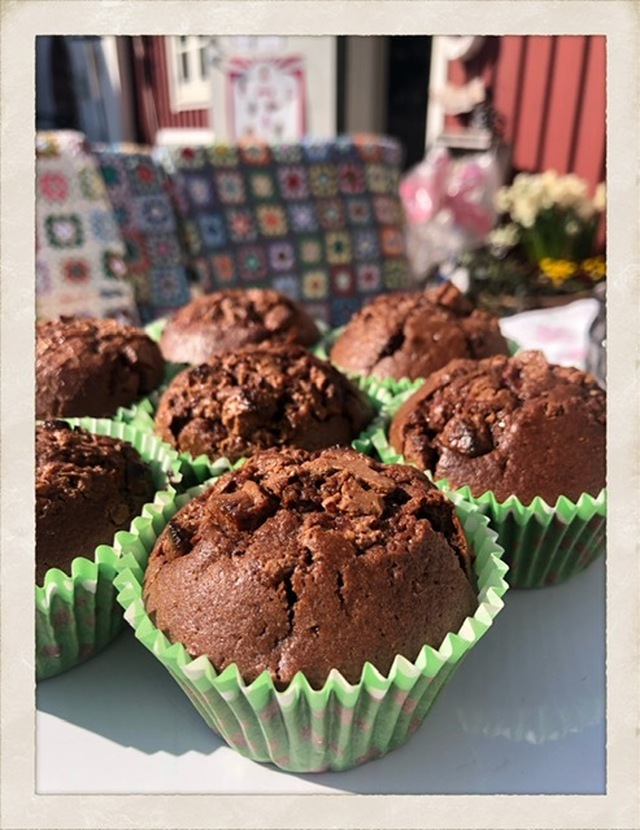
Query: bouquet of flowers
[[545, 243]]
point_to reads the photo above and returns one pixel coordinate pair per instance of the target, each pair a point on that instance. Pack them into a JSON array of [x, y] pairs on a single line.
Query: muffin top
[[309, 562], [240, 402], [516, 426], [92, 366], [411, 334], [227, 320], [87, 487]]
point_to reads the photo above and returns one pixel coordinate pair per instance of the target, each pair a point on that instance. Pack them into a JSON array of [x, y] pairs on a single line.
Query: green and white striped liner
[[76, 612], [302, 729], [544, 544]]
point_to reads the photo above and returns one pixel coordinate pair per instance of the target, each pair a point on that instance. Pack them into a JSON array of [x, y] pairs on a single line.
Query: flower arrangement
[[545, 242]]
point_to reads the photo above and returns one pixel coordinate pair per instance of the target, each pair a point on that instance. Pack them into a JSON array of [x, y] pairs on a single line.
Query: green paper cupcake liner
[[544, 544], [77, 613], [302, 729]]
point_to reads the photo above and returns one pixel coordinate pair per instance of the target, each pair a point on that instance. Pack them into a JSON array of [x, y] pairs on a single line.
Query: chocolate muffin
[[411, 334], [92, 367], [228, 320], [309, 562], [240, 402], [516, 426], [87, 488]]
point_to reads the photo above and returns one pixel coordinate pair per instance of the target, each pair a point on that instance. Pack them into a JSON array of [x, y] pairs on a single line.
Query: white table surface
[[525, 713]]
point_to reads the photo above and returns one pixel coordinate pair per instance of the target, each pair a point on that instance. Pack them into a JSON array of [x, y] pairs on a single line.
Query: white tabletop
[[523, 714]]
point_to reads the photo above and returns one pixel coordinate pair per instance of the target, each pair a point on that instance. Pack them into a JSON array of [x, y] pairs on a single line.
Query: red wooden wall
[[152, 84], [551, 91]]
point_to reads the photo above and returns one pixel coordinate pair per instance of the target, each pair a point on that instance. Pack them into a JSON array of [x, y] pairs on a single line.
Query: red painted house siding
[[152, 82], [551, 92], [549, 89]]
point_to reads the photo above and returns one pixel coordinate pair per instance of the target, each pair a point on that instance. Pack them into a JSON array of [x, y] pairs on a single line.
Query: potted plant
[[544, 249]]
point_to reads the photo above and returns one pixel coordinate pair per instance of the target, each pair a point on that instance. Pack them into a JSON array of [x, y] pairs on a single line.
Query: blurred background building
[[543, 96]]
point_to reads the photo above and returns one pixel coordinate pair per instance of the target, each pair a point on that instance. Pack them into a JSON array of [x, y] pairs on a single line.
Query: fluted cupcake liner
[[77, 613], [544, 544], [302, 729]]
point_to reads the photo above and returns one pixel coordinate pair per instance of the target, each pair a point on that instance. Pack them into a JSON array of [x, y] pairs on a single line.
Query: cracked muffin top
[[516, 426], [241, 402], [309, 562], [92, 367], [411, 334], [87, 487], [228, 320]]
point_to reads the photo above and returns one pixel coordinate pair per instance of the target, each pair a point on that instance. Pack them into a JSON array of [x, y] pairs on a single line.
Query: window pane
[[184, 67]]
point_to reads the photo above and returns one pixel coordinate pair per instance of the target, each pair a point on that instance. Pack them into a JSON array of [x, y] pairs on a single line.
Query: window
[[189, 83]]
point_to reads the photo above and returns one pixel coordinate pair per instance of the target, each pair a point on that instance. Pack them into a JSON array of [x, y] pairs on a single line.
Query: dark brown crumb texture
[[92, 367], [515, 425], [311, 561], [87, 488], [227, 320], [241, 402], [411, 334]]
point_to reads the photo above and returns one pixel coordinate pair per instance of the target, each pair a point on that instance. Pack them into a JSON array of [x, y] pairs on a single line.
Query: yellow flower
[[558, 270], [595, 268]]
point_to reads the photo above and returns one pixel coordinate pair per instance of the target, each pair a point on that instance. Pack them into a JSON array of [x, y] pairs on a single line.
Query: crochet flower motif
[[252, 263], [323, 180], [351, 178], [338, 248], [103, 227], [303, 217], [212, 230], [281, 256], [241, 225], [358, 211], [331, 214], [272, 220], [223, 155], [314, 285], [293, 182], [223, 267], [365, 245], [231, 188], [262, 185], [64, 230], [76, 271], [368, 278], [54, 187]]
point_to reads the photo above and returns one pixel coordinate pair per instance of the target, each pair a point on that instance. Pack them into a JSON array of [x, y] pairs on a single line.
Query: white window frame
[[195, 91]]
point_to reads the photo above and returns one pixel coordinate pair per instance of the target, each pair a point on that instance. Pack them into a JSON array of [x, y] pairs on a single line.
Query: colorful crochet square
[[137, 187], [321, 220], [80, 252]]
